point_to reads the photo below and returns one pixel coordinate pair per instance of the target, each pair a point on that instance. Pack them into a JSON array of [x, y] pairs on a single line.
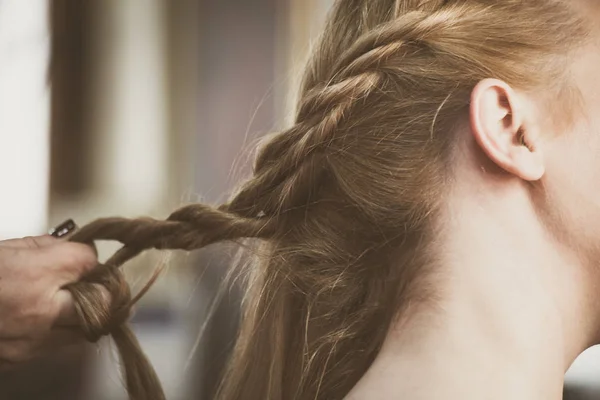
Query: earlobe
[[498, 123]]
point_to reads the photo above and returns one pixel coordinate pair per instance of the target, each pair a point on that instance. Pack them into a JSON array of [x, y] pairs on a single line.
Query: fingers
[[67, 315], [60, 338], [64, 230], [66, 261], [30, 242], [16, 352], [61, 231]]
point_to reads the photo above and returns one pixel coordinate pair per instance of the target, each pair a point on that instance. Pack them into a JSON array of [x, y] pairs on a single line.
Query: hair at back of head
[[343, 205]]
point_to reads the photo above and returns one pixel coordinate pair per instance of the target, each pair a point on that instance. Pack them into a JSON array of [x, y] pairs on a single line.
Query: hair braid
[[363, 140], [276, 192], [379, 108], [351, 21], [372, 49], [359, 71], [188, 228], [329, 104], [191, 227]]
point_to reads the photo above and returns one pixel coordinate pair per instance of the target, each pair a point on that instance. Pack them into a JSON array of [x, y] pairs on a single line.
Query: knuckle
[[34, 317], [81, 256], [31, 242]]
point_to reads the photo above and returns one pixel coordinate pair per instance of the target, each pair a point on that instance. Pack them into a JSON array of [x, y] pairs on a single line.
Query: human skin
[[36, 314]]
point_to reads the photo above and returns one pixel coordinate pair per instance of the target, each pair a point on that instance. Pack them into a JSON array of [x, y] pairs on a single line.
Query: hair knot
[[102, 301]]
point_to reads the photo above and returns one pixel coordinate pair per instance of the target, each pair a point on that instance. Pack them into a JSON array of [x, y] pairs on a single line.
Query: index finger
[[66, 262], [30, 242]]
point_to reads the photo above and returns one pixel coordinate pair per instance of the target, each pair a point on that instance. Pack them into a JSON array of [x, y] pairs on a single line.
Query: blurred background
[[131, 108]]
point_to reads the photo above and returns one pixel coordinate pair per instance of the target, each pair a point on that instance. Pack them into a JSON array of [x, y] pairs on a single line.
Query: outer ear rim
[[510, 161]]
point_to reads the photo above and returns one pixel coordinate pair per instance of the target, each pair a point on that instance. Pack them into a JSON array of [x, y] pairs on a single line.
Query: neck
[[513, 314]]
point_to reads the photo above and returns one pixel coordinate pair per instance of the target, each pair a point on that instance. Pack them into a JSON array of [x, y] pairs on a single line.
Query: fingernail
[[63, 229]]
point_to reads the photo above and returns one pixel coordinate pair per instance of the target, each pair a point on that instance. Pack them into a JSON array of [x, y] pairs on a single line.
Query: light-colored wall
[[24, 117]]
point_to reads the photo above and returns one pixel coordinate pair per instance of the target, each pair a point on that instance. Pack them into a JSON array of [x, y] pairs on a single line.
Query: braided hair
[[344, 203]]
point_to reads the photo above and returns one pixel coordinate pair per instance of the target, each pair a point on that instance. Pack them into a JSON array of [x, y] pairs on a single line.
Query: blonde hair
[[342, 205]]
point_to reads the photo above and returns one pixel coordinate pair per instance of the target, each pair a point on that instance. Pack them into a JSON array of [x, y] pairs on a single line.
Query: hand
[[36, 315]]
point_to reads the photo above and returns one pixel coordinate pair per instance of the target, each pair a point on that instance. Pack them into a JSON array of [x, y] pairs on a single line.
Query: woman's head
[[348, 202], [359, 185]]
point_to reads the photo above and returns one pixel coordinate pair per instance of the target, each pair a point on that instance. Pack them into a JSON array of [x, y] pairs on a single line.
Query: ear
[[498, 123]]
